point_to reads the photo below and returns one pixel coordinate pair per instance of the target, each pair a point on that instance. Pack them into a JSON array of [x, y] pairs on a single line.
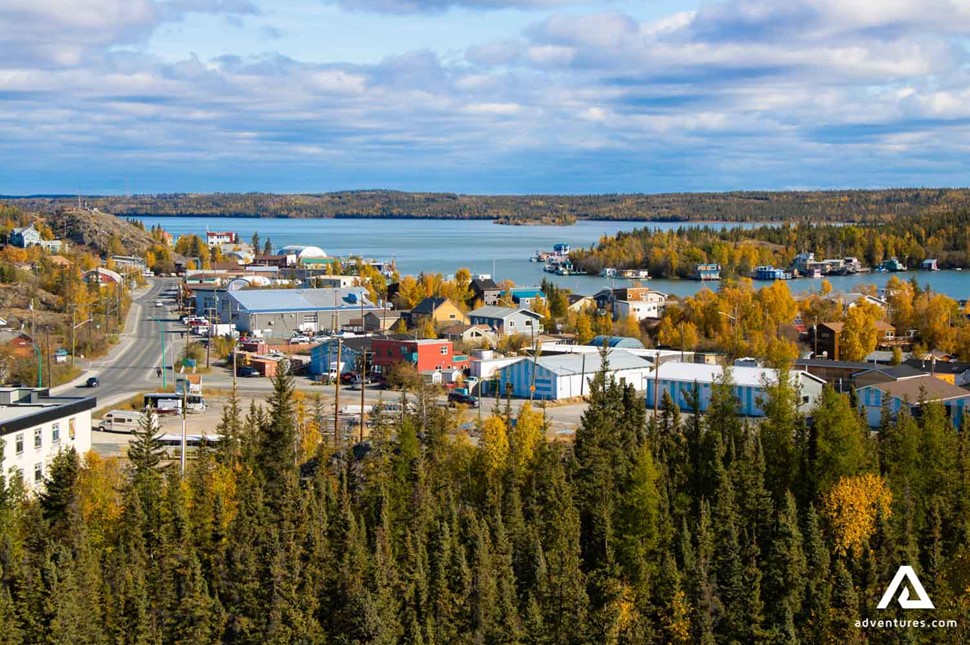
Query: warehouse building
[[567, 375], [685, 380], [275, 313]]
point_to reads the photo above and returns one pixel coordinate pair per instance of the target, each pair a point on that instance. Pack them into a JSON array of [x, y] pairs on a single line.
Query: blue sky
[[482, 96]]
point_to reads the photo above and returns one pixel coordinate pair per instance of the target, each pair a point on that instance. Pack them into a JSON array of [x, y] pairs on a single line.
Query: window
[[20, 444], [511, 323], [38, 438], [70, 429], [38, 473], [56, 433]]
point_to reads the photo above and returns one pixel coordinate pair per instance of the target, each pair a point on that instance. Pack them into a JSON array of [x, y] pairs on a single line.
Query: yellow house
[[441, 311]]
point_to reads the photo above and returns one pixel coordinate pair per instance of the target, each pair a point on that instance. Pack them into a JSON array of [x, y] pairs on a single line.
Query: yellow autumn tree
[[99, 498], [494, 444], [525, 437], [629, 327], [584, 328], [852, 506], [859, 335]]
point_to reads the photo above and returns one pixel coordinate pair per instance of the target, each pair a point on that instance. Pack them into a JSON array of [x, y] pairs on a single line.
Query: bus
[[171, 403], [173, 443]]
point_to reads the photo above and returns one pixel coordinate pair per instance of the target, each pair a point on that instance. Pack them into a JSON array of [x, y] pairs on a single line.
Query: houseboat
[[771, 273], [635, 274], [929, 264], [892, 265], [608, 272], [707, 272]]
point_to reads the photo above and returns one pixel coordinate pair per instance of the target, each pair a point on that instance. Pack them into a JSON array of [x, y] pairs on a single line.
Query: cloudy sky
[[482, 96]]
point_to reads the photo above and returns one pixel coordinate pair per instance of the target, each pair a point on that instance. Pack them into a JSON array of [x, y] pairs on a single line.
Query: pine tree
[[59, 496], [785, 570], [277, 441], [703, 593]]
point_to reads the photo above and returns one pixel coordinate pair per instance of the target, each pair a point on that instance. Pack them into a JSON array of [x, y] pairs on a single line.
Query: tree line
[[680, 528], [676, 253], [838, 206]]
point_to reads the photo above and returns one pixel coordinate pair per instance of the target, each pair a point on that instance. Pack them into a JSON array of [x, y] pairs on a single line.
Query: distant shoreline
[[881, 205]]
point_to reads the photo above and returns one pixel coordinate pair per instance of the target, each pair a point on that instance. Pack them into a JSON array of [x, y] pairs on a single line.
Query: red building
[[426, 355]]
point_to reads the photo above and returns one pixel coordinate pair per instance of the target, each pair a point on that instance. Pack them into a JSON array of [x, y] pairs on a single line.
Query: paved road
[[130, 367]]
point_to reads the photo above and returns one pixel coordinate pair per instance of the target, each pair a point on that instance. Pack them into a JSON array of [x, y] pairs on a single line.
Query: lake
[[442, 246]]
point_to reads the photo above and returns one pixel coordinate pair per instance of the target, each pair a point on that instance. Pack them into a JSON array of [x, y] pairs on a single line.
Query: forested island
[[675, 253], [833, 205]]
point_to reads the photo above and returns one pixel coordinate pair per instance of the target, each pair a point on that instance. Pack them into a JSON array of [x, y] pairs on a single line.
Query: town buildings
[[567, 375], [912, 393], [485, 290], [507, 320], [427, 355], [277, 312], [686, 381], [35, 426], [440, 311]]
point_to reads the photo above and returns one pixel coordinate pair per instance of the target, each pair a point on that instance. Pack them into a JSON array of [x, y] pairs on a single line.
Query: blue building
[[353, 351], [524, 296], [567, 375], [684, 381], [620, 342], [771, 273], [912, 393]]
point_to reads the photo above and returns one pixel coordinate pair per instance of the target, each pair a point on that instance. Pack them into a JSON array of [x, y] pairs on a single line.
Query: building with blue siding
[[684, 381], [567, 375], [912, 393]]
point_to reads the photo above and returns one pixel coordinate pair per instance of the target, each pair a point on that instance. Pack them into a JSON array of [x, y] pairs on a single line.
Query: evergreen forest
[[671, 527]]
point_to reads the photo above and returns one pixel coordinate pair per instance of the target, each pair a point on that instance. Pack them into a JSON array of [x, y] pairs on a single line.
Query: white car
[[299, 340]]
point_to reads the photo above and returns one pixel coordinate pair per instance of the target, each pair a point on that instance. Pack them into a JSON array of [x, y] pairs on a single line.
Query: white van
[[120, 421]]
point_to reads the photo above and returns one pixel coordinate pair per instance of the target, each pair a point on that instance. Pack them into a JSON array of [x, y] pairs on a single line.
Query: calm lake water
[[442, 246]]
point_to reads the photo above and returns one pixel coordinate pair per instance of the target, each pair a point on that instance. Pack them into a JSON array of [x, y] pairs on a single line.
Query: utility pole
[[363, 388], [336, 400], [50, 369], [73, 333], [185, 389]]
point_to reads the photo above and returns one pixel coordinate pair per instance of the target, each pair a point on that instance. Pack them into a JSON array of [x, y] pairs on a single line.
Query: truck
[[120, 421], [223, 329], [356, 410]]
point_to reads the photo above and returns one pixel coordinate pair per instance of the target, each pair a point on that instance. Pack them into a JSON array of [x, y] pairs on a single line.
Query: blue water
[[442, 246]]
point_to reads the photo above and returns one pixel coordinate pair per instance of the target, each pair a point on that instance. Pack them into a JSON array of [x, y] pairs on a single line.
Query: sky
[[482, 96]]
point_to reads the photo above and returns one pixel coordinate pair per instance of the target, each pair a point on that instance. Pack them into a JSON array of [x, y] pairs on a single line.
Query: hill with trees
[[839, 206]]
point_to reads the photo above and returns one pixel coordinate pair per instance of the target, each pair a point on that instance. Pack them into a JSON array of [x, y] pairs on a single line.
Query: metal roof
[[912, 389], [589, 362], [282, 300], [743, 376], [500, 313], [617, 341]]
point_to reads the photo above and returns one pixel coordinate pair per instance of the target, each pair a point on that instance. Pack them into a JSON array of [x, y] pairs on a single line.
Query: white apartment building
[[35, 426]]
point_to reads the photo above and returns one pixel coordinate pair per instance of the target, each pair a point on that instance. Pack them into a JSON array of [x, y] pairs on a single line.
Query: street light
[[734, 320], [73, 336]]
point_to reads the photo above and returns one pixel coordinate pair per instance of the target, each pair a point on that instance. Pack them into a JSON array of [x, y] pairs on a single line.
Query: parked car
[[299, 340], [348, 377], [93, 381], [459, 398], [246, 371]]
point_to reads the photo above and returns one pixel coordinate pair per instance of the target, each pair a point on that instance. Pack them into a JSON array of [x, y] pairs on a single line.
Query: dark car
[[94, 381], [247, 371], [347, 378], [460, 398]]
